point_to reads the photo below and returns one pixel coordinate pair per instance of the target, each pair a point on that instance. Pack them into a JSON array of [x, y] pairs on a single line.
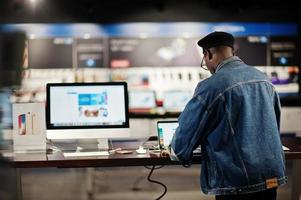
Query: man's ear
[[210, 54]]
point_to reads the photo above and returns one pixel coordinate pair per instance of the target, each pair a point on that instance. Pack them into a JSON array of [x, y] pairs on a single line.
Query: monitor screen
[[142, 99], [87, 105], [176, 100], [166, 130]]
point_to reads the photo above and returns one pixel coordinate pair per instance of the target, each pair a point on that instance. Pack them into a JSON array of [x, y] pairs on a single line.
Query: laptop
[[166, 130]]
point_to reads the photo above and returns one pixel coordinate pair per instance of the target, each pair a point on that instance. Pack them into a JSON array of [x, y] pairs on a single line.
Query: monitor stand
[[95, 145], [83, 150], [103, 144]]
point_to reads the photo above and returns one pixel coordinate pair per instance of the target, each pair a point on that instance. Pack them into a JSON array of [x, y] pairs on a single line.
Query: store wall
[[119, 11]]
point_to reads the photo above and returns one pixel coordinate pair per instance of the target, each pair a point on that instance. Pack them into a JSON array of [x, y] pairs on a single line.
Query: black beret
[[216, 39]]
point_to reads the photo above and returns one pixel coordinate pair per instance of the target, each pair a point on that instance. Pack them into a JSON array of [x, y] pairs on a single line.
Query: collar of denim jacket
[[226, 61]]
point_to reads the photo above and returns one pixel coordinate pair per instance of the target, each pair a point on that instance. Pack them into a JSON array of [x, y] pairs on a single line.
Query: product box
[[29, 127]]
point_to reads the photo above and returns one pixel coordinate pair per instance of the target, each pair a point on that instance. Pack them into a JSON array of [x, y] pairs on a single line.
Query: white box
[[29, 127]]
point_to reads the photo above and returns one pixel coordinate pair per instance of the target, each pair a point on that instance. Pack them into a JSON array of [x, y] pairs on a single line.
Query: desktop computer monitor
[[175, 100], [87, 110]]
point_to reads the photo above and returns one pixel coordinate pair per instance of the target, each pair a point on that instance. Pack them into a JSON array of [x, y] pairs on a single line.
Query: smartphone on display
[[22, 124]]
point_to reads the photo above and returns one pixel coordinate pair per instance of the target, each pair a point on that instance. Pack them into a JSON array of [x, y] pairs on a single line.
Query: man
[[235, 116]]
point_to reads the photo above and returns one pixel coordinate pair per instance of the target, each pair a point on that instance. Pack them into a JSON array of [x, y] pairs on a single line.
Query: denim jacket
[[235, 116]]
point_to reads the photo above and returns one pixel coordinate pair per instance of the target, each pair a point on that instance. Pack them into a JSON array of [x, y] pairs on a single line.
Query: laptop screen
[[166, 130]]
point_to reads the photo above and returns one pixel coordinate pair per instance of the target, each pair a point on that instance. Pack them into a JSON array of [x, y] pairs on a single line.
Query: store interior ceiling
[[45, 11]]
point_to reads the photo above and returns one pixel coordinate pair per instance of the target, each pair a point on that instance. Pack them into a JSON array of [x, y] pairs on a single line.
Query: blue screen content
[[87, 105]]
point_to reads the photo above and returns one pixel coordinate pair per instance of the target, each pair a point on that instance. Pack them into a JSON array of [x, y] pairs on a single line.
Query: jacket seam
[[191, 145], [198, 130], [233, 86], [225, 190], [201, 100], [226, 62], [234, 140]]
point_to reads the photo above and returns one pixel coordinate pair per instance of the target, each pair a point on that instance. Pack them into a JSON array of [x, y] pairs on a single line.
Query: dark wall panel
[[50, 53]]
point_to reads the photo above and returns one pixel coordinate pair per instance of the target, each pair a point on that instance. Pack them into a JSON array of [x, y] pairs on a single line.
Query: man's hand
[[164, 153]]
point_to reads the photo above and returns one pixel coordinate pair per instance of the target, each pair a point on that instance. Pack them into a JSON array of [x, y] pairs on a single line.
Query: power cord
[[154, 181], [159, 167], [137, 182]]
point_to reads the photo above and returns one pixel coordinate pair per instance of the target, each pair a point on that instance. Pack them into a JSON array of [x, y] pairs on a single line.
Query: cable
[[157, 182], [159, 167], [110, 141], [137, 182]]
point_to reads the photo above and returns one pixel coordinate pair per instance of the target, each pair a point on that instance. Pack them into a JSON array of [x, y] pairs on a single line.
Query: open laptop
[[166, 130]]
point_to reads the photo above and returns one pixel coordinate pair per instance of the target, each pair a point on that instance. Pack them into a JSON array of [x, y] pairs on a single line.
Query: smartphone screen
[[22, 124]]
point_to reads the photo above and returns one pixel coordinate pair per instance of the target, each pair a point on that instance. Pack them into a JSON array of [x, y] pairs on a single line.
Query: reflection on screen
[[142, 99], [166, 132], [176, 99], [88, 105]]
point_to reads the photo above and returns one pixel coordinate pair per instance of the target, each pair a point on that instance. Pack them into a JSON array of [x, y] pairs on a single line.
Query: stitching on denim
[[206, 113], [196, 136], [253, 188], [233, 86], [228, 115], [201, 100], [232, 59], [279, 180], [234, 140]]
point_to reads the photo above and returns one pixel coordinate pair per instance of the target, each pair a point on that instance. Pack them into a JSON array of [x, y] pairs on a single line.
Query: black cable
[[159, 167], [157, 182], [136, 183]]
